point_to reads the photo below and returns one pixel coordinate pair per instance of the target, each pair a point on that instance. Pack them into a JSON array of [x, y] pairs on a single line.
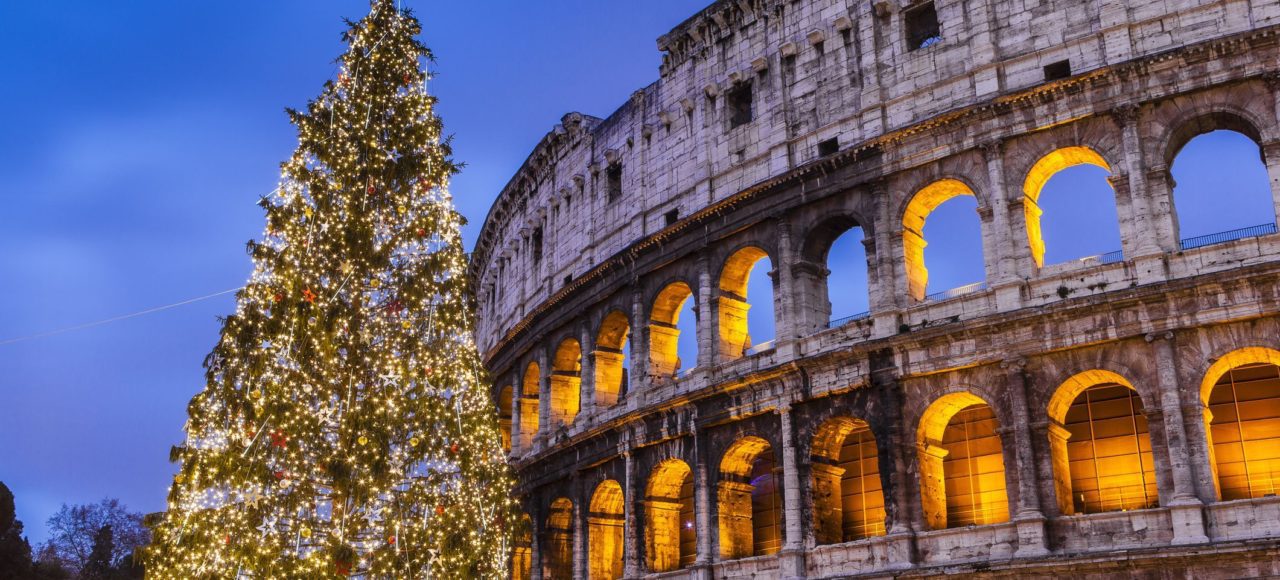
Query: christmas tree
[[345, 428]]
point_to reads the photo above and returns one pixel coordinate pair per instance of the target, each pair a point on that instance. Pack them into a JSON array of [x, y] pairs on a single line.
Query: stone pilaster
[[535, 548], [792, 554], [702, 508], [631, 535], [587, 375], [544, 398], [1186, 510], [706, 326], [1028, 516], [580, 532], [639, 374], [784, 292]]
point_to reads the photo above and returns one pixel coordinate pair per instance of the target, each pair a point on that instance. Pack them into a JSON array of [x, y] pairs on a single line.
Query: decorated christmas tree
[[345, 428]]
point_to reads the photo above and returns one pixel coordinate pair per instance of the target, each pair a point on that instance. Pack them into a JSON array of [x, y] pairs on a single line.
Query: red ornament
[[227, 541], [280, 474], [439, 510], [422, 233], [406, 79], [342, 78], [309, 296], [343, 568], [453, 449], [279, 296], [279, 439], [391, 540], [370, 189]]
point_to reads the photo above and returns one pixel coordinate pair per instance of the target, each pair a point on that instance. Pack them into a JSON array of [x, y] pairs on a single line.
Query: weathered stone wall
[[974, 111]]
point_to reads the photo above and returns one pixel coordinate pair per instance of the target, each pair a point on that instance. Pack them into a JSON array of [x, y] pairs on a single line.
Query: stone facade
[[775, 126]]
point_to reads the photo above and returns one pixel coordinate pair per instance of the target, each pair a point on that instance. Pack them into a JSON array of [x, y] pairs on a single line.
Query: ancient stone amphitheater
[[1116, 415]]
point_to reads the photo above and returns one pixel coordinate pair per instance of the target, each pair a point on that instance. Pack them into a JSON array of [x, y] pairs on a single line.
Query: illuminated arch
[[610, 359], [1241, 397], [962, 480], [529, 387], [522, 550], [913, 243], [1100, 446], [735, 331], [505, 405], [566, 382], [750, 505], [848, 502], [664, 336], [604, 531], [1038, 176], [559, 557], [670, 536]]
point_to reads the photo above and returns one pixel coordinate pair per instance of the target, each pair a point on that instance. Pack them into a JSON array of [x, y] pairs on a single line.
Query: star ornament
[[268, 526], [279, 439], [309, 296]]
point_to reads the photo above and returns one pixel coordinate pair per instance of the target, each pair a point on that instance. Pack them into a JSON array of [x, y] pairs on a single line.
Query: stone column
[[1028, 515], [544, 398], [1006, 240], [587, 375], [707, 334], [895, 454], [580, 532], [702, 508], [535, 547], [631, 534], [784, 293], [792, 555], [891, 284], [1147, 225], [639, 343], [1271, 149], [1185, 508], [517, 429]]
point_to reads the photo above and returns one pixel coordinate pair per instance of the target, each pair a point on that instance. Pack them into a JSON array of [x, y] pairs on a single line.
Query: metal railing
[[835, 322], [1111, 257], [1228, 236], [955, 292]]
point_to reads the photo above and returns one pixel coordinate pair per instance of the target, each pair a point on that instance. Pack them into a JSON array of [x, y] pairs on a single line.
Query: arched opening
[[750, 505], [566, 382], [670, 537], [522, 550], [612, 354], [746, 291], [559, 557], [955, 231], [962, 478], [529, 405], [666, 351], [1100, 447], [848, 502], [604, 531], [1241, 395], [505, 402], [1074, 193], [1221, 188], [832, 276]]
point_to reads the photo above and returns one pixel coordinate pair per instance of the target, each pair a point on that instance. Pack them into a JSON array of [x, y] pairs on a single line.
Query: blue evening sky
[[139, 135]]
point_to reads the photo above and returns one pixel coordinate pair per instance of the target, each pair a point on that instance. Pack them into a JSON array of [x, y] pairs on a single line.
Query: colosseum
[[1112, 416]]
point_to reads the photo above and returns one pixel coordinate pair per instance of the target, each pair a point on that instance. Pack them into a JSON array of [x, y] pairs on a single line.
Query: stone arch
[[1240, 393], [566, 382], [604, 531], [1099, 445], [522, 549], [749, 500], [813, 277], [1221, 117], [732, 301], [962, 479], [559, 557], [1200, 122], [922, 203], [1039, 174], [664, 336], [529, 391], [848, 502], [505, 406], [610, 358], [670, 535]]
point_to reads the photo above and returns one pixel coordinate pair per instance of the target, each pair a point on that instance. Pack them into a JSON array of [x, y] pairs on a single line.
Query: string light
[[345, 427]]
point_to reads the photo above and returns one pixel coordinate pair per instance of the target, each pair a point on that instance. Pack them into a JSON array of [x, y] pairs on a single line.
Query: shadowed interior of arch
[[949, 242], [566, 382], [670, 533], [848, 503], [750, 505], [612, 359], [1241, 397], [672, 331], [505, 402], [745, 303], [522, 550], [604, 531], [962, 479], [529, 388], [1221, 181], [1100, 446], [559, 557]]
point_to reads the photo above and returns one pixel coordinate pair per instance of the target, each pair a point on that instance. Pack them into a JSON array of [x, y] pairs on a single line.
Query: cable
[[153, 310]]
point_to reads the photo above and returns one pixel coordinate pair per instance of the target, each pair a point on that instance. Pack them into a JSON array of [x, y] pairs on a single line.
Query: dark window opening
[[1057, 70], [537, 245], [568, 279], [739, 103], [922, 26], [671, 217], [613, 178], [828, 147]]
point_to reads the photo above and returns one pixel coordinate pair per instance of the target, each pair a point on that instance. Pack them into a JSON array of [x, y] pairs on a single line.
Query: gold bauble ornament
[[363, 440], [305, 532], [179, 478], [413, 442]]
